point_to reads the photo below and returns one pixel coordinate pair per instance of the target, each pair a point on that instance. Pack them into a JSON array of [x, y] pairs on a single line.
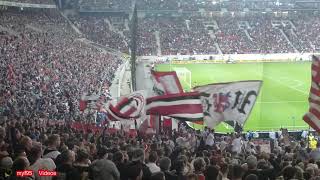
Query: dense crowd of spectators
[[146, 44], [35, 1], [196, 35], [97, 29], [107, 4], [266, 38], [177, 37], [150, 5], [232, 38], [180, 155], [45, 69], [307, 29]]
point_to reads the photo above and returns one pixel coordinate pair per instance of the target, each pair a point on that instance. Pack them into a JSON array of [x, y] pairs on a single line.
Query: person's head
[[134, 171], [6, 162], [158, 176], [35, 153], [211, 173], [252, 177], [54, 141], [82, 156], [93, 149], [299, 173], [262, 164], [67, 157], [102, 153], [138, 155], [310, 170], [199, 165], [26, 142], [19, 164], [288, 172], [153, 157], [252, 162], [118, 157], [165, 164], [236, 172], [180, 165]]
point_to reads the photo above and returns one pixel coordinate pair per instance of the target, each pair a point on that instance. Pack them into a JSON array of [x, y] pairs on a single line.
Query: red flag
[[313, 116], [167, 122]]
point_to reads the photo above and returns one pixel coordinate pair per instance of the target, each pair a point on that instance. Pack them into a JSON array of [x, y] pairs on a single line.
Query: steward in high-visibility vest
[[312, 142]]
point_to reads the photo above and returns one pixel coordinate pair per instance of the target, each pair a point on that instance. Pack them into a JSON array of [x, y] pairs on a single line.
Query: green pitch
[[283, 99]]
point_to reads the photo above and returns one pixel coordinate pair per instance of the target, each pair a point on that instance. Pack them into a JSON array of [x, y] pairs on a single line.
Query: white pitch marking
[[276, 80], [280, 102]]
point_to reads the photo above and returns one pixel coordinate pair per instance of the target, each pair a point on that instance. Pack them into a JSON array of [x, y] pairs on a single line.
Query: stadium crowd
[[181, 155], [98, 30], [196, 35], [45, 68], [35, 1]]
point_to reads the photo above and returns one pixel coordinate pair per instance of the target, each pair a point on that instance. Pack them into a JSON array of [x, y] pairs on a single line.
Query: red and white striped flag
[[182, 106], [166, 83], [313, 116], [127, 107]]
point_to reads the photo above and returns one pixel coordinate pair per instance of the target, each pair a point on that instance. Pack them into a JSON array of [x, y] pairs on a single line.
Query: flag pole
[[308, 138]]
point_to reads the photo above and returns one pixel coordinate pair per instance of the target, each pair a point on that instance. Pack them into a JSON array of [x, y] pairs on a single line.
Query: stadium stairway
[[212, 36], [34, 28], [288, 40], [10, 31], [292, 24], [72, 25], [116, 30], [126, 25], [218, 47], [247, 34]]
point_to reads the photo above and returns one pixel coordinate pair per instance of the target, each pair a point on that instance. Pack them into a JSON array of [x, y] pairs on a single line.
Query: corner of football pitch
[[283, 99]]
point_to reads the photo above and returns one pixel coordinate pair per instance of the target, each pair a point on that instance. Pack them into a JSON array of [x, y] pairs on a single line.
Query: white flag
[[231, 101]]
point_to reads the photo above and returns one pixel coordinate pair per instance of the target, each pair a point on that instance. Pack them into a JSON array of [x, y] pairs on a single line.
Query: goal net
[[184, 76]]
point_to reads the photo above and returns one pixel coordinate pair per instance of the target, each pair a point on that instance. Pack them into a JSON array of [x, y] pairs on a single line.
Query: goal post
[[185, 77]]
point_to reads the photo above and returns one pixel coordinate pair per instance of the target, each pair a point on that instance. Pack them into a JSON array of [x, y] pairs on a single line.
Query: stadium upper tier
[[196, 5], [198, 35], [34, 1]]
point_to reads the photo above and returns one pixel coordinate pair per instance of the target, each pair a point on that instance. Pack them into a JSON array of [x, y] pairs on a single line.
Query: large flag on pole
[[313, 116], [127, 107], [166, 83], [231, 101], [183, 106]]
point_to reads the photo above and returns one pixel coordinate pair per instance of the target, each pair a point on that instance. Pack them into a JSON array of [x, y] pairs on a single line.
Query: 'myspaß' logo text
[[24, 173]]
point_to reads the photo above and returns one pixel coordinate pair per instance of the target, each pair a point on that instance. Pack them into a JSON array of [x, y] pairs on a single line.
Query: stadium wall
[[229, 58]]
